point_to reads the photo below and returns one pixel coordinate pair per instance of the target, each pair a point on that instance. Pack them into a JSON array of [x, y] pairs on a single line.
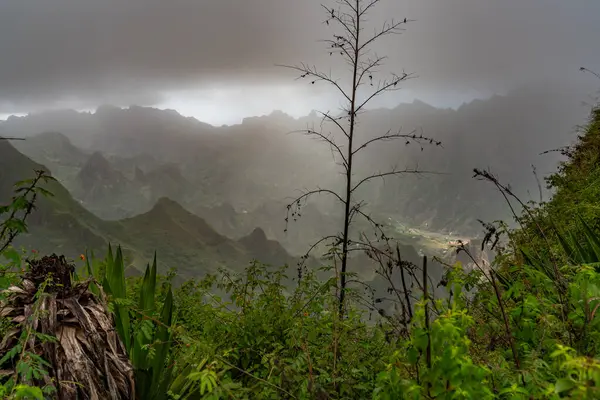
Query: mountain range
[[183, 240], [206, 197], [256, 167]]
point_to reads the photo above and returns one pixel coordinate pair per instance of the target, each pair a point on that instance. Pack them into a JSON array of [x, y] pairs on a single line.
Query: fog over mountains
[[218, 59], [154, 178], [120, 163]]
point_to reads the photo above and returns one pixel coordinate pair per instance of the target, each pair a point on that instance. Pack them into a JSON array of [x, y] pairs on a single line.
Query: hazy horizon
[[208, 111], [215, 60]]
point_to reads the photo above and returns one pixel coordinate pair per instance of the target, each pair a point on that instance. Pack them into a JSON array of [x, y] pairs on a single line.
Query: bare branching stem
[[426, 305], [336, 121], [389, 173], [348, 199], [353, 45], [584, 69], [505, 318], [406, 294], [312, 72], [327, 139]]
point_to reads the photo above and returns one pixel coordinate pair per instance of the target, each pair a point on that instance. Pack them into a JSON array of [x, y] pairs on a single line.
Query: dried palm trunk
[[87, 359]]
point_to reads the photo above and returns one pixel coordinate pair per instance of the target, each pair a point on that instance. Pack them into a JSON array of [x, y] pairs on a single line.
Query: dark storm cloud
[[132, 51]]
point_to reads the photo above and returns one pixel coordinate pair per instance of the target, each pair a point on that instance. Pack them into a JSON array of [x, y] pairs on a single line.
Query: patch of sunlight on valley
[[424, 241]]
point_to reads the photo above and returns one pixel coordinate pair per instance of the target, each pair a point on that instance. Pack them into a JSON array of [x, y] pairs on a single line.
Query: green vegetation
[[524, 328]]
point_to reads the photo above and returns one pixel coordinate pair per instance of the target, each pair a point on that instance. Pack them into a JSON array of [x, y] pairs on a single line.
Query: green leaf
[[114, 283], [12, 255], [28, 392], [593, 240], [563, 385], [44, 192], [139, 355], [20, 203], [162, 345], [115, 272], [584, 255], [16, 225], [568, 249], [148, 288]]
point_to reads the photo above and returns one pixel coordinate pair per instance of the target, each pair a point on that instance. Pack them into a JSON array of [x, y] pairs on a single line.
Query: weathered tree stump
[[87, 358]]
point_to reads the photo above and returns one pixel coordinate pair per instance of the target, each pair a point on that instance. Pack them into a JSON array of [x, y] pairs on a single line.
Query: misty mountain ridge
[[256, 162], [216, 197], [181, 239]]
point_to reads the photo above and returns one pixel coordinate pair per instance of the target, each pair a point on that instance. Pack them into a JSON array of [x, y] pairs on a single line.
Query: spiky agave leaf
[[593, 241], [145, 334], [114, 284]]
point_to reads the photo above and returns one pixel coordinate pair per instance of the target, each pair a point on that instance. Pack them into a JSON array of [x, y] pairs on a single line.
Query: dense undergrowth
[[524, 328]]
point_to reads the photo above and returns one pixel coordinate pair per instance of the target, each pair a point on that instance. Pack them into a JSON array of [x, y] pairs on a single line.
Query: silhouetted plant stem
[[426, 305], [354, 48], [509, 334], [406, 296], [349, 159], [558, 278], [508, 331]]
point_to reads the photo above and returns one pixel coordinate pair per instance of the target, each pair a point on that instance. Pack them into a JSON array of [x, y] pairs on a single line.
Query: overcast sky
[[214, 59]]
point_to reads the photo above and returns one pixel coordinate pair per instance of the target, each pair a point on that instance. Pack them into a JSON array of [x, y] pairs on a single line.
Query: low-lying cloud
[[89, 52]]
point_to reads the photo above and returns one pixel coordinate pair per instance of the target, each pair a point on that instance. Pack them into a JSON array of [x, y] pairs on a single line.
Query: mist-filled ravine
[[360, 199]]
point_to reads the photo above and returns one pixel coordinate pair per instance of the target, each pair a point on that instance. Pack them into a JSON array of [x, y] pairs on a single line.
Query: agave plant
[[146, 332], [63, 337], [584, 251], [580, 248]]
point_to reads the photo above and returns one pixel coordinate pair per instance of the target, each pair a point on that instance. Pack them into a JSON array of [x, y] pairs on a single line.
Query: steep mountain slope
[[165, 180], [184, 240], [576, 187], [181, 239], [55, 151], [112, 187], [268, 251], [506, 134], [98, 178], [129, 165], [52, 149], [187, 242], [106, 191], [296, 236], [60, 224], [77, 126]]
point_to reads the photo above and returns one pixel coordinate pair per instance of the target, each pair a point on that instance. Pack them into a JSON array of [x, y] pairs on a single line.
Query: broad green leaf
[[563, 385]]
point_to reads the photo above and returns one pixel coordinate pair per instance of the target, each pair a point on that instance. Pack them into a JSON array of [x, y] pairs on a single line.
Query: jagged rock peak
[[166, 202], [258, 234], [96, 164], [139, 175]]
